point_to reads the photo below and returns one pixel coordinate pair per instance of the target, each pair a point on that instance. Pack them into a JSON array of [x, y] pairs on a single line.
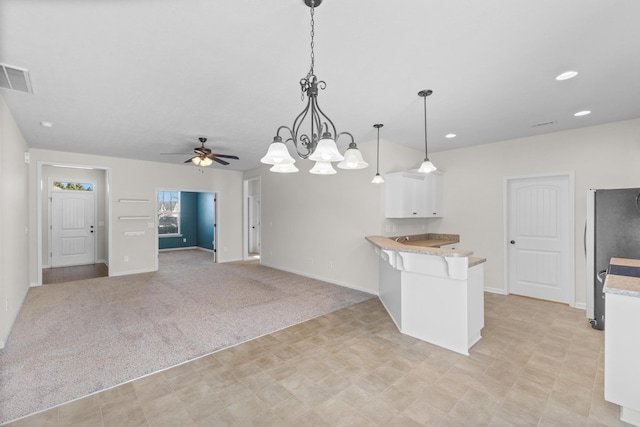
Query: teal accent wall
[[196, 222]]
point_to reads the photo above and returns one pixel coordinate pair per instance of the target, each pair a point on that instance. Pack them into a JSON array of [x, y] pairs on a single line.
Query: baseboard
[[34, 284], [12, 321], [324, 279], [495, 290], [185, 248], [232, 260], [102, 261], [580, 305], [211, 251], [129, 272]]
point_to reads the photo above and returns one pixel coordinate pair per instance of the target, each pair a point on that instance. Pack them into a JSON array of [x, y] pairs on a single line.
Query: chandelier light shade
[[378, 179], [427, 166], [319, 142], [284, 168]]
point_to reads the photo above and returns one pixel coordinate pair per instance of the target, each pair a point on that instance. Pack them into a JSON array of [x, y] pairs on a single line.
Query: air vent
[[543, 124], [15, 78]]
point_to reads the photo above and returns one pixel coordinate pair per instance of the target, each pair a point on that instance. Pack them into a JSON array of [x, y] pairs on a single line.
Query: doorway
[[73, 201], [539, 237], [254, 226], [252, 215], [186, 220]]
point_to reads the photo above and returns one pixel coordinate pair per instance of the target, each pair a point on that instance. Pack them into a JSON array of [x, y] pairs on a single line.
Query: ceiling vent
[[15, 78]]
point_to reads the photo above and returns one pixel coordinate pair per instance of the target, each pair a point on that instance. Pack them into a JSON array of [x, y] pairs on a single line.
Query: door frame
[[569, 176], [50, 215], [215, 220], [39, 189]]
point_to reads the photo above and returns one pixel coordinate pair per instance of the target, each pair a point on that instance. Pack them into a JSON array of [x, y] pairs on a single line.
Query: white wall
[[14, 261], [605, 156], [315, 225], [134, 179]]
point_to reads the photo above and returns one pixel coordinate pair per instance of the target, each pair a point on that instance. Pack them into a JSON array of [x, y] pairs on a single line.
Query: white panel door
[[72, 228], [539, 263]]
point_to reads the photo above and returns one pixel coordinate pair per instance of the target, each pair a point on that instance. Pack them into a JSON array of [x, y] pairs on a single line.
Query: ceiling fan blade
[[188, 161], [224, 156], [222, 162]]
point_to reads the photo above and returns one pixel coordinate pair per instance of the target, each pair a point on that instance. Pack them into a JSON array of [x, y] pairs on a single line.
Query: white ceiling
[[139, 77]]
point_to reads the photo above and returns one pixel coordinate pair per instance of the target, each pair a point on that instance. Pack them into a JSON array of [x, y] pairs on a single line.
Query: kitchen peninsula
[[622, 339], [432, 292]]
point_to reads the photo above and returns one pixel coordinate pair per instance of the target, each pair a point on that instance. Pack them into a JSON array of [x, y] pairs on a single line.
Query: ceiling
[[140, 77]]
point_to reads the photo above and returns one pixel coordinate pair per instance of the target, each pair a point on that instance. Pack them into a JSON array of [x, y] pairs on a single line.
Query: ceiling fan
[[204, 156]]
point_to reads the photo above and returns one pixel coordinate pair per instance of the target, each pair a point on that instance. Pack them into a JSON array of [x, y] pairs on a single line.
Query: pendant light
[[426, 166], [378, 179], [318, 144]]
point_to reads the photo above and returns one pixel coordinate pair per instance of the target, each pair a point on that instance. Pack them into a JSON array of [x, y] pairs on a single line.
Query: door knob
[[513, 242]]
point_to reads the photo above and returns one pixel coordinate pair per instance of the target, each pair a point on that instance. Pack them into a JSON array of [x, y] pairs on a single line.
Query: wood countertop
[[623, 285], [427, 244]]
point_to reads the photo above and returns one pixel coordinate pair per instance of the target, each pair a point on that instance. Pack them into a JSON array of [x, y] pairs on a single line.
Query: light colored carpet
[[73, 339]]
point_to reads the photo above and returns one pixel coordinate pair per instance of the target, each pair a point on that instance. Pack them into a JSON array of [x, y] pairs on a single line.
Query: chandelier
[[319, 144]]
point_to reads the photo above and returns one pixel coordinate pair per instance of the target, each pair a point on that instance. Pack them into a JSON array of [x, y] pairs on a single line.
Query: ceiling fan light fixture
[[206, 161], [318, 143]]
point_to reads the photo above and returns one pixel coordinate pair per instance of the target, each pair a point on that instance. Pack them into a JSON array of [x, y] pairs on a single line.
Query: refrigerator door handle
[[601, 274], [584, 237]]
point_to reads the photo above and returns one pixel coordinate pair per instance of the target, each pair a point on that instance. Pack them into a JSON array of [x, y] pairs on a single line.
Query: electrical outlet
[[184, 240], [126, 258]]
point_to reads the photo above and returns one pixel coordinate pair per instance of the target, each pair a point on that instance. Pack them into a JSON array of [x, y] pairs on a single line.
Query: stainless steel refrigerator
[[612, 230]]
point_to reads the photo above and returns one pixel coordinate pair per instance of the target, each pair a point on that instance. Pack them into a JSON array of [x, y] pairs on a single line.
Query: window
[[168, 213], [73, 186]]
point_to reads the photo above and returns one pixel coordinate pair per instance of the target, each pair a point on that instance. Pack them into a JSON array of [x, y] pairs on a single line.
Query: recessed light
[[567, 75], [450, 135], [46, 124], [582, 113]]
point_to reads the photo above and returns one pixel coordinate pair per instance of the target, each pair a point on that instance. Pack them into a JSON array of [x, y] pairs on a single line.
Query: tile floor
[[76, 272], [538, 363]]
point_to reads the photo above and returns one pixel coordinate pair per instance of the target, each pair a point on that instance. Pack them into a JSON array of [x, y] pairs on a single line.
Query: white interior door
[[254, 224], [72, 228], [540, 259]]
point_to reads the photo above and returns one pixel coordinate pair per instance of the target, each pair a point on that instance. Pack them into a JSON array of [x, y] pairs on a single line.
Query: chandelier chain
[[312, 43]]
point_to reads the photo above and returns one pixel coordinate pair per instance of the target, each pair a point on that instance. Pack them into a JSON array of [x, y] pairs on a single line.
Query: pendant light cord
[[426, 152], [378, 126], [424, 94]]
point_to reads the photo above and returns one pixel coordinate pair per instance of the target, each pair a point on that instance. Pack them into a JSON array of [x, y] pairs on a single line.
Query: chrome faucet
[[404, 239]]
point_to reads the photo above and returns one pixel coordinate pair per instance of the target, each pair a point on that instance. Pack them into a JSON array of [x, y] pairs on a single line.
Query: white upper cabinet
[[413, 195]]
